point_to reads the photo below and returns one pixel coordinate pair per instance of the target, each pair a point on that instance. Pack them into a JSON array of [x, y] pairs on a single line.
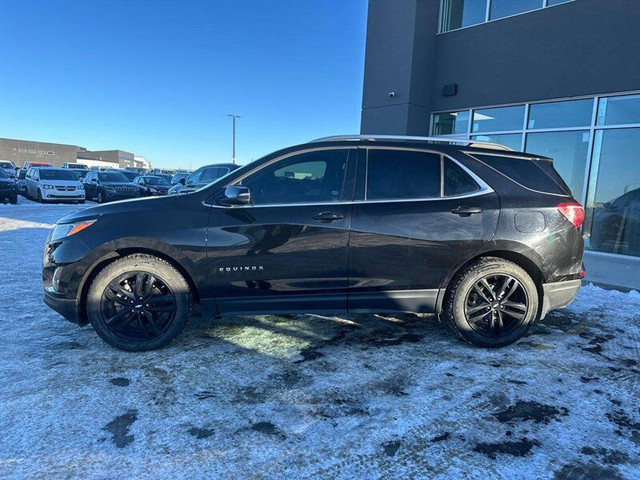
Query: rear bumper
[[559, 295], [66, 307]]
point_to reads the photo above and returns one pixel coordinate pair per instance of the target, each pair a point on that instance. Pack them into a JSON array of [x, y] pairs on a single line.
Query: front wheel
[[139, 303], [38, 196], [14, 199], [491, 303]]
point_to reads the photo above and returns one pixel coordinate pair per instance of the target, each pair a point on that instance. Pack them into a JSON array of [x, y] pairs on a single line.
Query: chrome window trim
[[484, 187]]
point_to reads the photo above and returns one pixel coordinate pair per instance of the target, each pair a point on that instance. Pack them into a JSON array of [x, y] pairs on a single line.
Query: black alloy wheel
[[491, 303], [139, 303], [138, 306], [496, 305]]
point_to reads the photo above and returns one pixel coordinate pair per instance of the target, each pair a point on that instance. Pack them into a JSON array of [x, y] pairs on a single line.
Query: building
[[560, 78], [20, 151]]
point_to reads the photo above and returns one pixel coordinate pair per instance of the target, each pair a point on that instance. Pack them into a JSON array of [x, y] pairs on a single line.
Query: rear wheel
[[492, 303], [139, 303]]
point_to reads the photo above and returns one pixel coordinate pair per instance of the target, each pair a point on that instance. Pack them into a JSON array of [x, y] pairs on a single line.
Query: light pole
[[233, 158]]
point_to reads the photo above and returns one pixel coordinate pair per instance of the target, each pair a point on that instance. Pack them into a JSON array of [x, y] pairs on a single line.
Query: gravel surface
[[311, 396]]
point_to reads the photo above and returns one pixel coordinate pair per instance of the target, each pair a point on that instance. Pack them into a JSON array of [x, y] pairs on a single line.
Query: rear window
[[532, 174], [398, 175]]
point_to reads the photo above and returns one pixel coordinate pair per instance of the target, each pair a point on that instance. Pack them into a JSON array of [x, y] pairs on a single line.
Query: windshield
[[51, 174], [156, 181], [3, 174], [112, 177], [5, 165]]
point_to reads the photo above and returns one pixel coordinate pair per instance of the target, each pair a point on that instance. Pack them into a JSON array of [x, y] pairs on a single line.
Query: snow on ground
[[311, 396]]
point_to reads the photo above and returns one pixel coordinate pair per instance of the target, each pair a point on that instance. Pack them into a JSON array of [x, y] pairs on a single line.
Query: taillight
[[573, 212]]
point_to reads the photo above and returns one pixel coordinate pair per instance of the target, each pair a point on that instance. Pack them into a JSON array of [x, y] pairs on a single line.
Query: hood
[[7, 181], [134, 205]]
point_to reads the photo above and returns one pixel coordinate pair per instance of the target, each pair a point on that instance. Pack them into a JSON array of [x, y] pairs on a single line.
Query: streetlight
[[233, 159]]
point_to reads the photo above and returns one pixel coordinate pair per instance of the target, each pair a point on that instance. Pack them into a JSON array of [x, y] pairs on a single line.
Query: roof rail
[[373, 138]]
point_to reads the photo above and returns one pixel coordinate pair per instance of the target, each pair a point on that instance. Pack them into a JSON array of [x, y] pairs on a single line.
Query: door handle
[[326, 217], [466, 211]]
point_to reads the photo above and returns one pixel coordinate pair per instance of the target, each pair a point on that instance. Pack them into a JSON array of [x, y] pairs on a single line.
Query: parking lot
[[356, 396]]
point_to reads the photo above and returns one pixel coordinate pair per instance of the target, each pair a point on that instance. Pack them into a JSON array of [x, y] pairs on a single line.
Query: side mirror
[[236, 195], [94, 180]]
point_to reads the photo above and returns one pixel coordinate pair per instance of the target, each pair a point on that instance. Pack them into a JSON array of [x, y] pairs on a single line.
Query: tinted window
[[457, 181], [51, 174], [525, 172], [314, 177], [6, 165], [214, 173], [3, 174], [402, 174], [112, 177], [156, 181]]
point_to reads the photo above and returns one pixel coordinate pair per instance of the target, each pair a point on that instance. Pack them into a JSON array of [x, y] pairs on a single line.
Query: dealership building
[[559, 78], [20, 151]]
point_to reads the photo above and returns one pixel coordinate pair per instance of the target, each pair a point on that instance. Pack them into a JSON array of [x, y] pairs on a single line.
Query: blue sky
[[158, 78]]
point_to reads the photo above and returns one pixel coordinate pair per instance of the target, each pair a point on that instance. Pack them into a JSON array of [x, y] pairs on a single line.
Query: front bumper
[[8, 193], [73, 195], [559, 295], [113, 196], [67, 307]]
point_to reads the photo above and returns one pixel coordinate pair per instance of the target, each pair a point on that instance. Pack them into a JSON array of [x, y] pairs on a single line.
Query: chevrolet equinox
[[486, 238]]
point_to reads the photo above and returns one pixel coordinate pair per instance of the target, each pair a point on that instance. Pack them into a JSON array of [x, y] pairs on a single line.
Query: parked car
[[180, 177], [108, 186], [78, 168], [138, 170], [28, 165], [8, 167], [53, 184], [152, 185], [203, 177], [131, 176], [21, 181], [485, 237], [8, 188]]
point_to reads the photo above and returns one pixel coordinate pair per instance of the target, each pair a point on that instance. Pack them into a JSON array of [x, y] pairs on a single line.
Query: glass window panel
[[451, 123], [496, 119], [314, 177], [511, 140], [569, 151], [573, 113], [402, 174], [504, 8], [457, 181], [462, 13], [619, 110], [613, 202]]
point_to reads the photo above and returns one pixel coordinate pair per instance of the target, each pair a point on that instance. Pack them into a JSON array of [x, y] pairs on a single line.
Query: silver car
[[54, 184]]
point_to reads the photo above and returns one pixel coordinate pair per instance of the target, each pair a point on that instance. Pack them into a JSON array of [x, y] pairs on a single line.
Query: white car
[[54, 184], [8, 167]]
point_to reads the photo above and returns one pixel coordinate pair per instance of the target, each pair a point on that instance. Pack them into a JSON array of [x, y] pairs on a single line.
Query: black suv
[[485, 237], [108, 186]]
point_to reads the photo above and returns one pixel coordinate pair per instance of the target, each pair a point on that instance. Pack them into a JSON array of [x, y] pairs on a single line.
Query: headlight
[[80, 187], [110, 189], [153, 190], [68, 229], [47, 186]]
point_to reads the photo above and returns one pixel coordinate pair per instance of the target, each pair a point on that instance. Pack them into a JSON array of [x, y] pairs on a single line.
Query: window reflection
[[619, 110], [511, 140], [569, 151], [496, 119], [613, 202]]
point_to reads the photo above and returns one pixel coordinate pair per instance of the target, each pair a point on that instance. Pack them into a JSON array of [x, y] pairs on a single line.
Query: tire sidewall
[[466, 284], [155, 266]]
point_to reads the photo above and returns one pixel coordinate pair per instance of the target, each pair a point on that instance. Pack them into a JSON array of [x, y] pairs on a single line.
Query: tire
[[482, 288], [38, 196], [124, 324], [14, 199]]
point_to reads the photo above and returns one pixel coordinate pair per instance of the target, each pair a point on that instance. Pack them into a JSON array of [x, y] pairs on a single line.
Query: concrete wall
[[20, 151], [578, 48]]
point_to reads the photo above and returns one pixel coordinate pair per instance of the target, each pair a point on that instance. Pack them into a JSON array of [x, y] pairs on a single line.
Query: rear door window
[[525, 172], [402, 174], [457, 181]]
